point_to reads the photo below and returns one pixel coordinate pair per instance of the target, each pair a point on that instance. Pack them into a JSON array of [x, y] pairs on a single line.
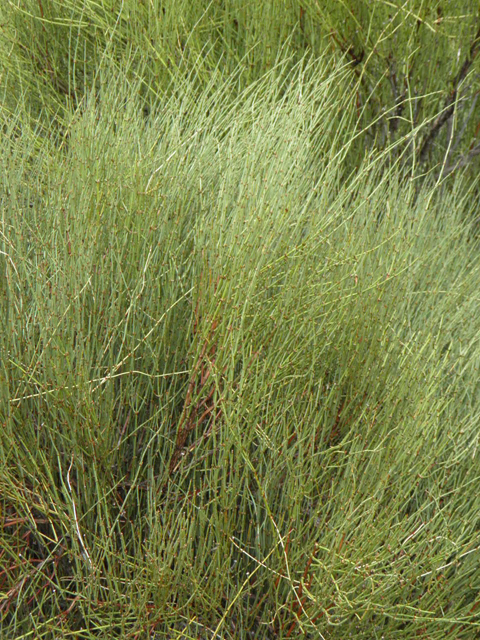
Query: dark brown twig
[[449, 108]]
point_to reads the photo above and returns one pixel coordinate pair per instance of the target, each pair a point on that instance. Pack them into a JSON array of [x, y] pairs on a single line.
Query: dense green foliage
[[239, 388]]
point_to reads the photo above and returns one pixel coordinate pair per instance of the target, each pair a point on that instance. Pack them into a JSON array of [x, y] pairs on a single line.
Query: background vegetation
[[239, 280], [414, 65]]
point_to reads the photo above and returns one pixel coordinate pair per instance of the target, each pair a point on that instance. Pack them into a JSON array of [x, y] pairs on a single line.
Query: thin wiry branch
[[463, 161], [465, 123], [449, 108], [452, 145]]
